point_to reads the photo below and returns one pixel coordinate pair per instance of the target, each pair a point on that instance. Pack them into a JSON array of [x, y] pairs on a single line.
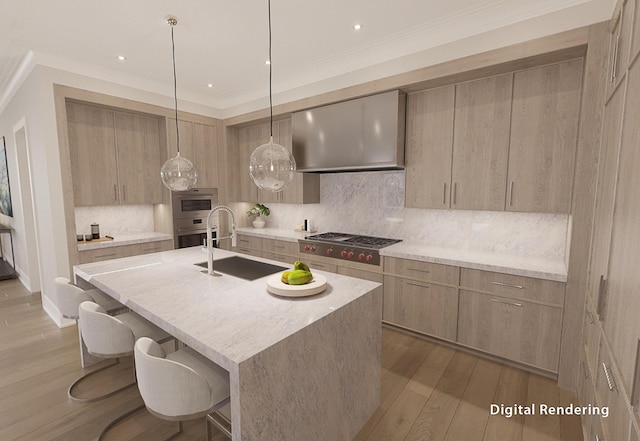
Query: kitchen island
[[300, 368]]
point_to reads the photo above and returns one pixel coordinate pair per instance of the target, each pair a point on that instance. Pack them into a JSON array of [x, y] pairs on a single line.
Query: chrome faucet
[[210, 235]]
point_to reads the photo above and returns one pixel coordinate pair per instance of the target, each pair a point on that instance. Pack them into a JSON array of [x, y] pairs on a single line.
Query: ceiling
[[226, 43]]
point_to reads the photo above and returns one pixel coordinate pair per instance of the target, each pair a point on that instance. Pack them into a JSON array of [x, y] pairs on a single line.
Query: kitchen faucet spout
[[210, 235]]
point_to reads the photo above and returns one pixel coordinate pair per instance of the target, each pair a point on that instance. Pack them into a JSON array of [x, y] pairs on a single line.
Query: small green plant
[[259, 210]]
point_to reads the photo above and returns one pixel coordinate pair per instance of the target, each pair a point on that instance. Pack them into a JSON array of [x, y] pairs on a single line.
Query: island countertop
[[299, 368], [168, 289]]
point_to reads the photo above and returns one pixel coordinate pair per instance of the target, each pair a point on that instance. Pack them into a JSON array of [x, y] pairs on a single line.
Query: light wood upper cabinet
[[429, 148], [481, 143], [92, 151], [621, 323], [605, 193], [635, 32], [115, 156], [620, 43], [304, 189], [140, 158], [544, 129], [199, 144]]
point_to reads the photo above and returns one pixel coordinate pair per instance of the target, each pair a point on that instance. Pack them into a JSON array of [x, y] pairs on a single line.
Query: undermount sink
[[243, 268]]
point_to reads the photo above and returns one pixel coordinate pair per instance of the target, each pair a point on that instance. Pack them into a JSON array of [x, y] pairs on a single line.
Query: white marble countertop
[[529, 266], [124, 239], [225, 318], [274, 233]]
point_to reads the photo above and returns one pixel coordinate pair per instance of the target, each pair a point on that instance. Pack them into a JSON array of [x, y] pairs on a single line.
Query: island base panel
[[322, 383]]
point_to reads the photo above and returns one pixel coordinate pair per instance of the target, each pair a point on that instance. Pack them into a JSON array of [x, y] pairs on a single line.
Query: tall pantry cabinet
[[612, 317]]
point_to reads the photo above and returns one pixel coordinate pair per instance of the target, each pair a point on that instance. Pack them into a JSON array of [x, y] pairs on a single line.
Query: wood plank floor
[[429, 392]]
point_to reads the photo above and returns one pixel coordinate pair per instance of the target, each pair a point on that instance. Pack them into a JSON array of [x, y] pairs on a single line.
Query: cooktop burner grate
[[354, 240]]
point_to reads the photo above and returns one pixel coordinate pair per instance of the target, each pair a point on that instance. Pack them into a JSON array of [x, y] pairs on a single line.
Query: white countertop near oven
[[124, 239], [528, 266]]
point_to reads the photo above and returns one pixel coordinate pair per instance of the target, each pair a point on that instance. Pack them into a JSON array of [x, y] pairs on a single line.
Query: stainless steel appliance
[[364, 249], [190, 211], [361, 134]]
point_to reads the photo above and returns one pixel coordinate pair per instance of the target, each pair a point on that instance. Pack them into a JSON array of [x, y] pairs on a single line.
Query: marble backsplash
[[371, 203], [116, 220]]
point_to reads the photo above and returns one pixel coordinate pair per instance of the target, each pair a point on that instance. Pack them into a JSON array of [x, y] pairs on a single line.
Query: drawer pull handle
[[417, 284], [418, 270], [519, 305], [610, 381], [509, 285], [444, 193]]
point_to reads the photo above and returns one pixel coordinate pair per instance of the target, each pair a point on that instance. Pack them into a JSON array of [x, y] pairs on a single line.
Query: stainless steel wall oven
[[190, 211]]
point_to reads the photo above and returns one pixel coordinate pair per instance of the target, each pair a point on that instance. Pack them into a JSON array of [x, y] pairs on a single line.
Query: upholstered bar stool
[[67, 298], [112, 337], [180, 386]]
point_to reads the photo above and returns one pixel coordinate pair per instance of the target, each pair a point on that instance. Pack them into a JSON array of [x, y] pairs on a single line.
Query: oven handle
[[195, 230]]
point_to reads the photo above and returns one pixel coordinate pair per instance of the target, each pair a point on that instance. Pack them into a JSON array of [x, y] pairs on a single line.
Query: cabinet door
[[544, 130], [247, 138], [619, 43], [205, 146], [621, 324], [429, 148], [92, 150], [481, 143], [605, 193], [423, 307], [140, 158], [185, 129], [513, 329], [635, 33]]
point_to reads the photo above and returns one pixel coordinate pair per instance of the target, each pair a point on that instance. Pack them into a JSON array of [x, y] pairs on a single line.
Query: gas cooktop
[[354, 239], [346, 246]]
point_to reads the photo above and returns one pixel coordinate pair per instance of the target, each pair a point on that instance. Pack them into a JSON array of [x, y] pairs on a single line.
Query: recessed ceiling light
[[267, 62], [357, 26], [121, 57], [210, 85]]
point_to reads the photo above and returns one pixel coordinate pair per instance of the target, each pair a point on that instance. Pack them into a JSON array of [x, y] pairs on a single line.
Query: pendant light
[[178, 173], [271, 166]]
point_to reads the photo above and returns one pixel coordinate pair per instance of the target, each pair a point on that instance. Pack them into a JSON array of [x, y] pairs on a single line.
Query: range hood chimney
[[361, 134]]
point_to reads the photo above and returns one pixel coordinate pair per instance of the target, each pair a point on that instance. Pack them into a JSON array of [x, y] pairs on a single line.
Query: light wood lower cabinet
[[421, 306], [511, 328], [610, 393], [116, 252]]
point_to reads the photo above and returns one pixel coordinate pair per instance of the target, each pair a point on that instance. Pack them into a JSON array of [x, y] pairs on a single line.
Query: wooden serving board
[[316, 286]]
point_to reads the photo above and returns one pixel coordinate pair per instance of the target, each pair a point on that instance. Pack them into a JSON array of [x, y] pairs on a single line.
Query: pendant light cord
[[270, 67], [175, 89]]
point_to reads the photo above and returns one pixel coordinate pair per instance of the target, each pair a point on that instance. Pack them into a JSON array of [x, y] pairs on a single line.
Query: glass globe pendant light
[[178, 173], [271, 166]]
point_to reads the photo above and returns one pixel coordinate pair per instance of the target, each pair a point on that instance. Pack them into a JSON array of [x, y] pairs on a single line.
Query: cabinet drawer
[[423, 307], [610, 392], [245, 241], [427, 271], [155, 247], [509, 285], [314, 264], [249, 251], [279, 257], [514, 329], [280, 247], [360, 274], [99, 255]]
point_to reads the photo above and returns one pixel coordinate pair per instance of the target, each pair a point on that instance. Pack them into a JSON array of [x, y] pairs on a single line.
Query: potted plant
[[258, 211]]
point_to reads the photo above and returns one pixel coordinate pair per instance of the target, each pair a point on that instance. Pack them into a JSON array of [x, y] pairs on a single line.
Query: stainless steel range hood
[[361, 134]]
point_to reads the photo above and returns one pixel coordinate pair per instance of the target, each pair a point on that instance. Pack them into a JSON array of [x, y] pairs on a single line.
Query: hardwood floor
[[429, 392]]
